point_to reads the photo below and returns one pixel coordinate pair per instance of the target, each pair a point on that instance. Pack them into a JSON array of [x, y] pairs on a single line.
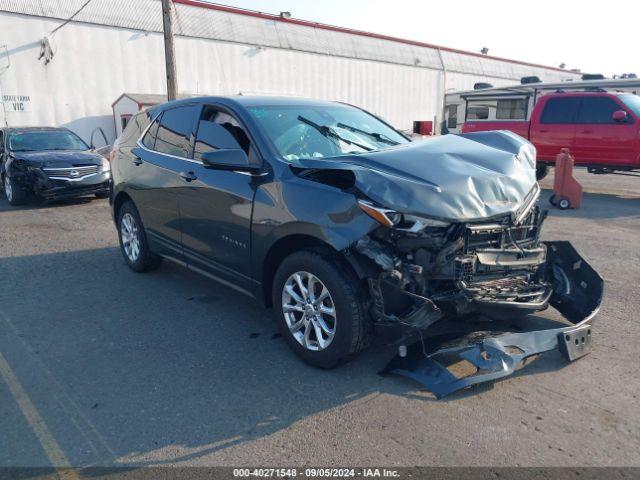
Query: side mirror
[[619, 116], [228, 159]]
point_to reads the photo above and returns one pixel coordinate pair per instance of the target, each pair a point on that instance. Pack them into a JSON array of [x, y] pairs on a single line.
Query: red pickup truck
[[601, 129]]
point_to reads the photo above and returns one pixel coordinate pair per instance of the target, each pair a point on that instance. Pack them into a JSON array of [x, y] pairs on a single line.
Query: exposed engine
[[429, 269]]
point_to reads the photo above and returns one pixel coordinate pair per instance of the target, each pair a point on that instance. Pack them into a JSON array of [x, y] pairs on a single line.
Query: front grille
[[503, 235], [71, 172]]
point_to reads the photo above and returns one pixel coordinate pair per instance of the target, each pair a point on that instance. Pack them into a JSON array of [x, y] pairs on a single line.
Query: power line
[[70, 18]]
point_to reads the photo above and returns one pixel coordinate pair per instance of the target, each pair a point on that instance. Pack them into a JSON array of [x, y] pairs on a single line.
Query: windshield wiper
[[380, 137], [331, 133]]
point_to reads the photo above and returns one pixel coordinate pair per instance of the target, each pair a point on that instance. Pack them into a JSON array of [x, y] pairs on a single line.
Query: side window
[[219, 131], [597, 110], [174, 132], [149, 138], [560, 110], [511, 109], [477, 112]]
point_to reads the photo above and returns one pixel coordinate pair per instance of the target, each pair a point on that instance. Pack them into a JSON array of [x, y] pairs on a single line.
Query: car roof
[[252, 101]]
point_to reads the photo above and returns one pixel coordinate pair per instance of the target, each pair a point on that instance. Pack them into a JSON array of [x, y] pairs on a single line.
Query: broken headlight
[[404, 222], [413, 224], [384, 216]]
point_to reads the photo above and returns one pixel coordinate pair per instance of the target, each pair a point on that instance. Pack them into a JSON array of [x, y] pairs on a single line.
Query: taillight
[[112, 154]]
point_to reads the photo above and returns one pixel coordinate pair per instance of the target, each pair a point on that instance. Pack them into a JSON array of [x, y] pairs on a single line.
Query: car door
[[216, 205], [554, 127], [157, 163], [599, 139]]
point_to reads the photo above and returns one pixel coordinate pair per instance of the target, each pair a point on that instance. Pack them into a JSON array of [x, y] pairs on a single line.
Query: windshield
[[303, 131], [632, 101], [38, 141]]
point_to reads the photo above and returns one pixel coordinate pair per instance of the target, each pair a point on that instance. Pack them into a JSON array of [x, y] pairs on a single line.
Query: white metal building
[[115, 46]]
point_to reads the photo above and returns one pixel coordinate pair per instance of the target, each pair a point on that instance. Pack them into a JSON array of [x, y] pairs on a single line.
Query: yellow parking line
[[51, 448]]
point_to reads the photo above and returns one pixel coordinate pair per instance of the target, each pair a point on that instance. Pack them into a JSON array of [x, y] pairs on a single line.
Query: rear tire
[[342, 334], [564, 204], [133, 240], [13, 192]]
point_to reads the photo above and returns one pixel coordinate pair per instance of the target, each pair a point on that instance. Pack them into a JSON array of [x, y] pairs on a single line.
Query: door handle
[[137, 161], [188, 176]]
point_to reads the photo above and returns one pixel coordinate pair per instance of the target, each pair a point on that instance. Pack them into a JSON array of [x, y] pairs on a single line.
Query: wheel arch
[[120, 199], [293, 243]]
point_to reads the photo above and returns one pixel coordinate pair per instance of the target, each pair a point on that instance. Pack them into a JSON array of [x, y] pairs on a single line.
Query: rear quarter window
[[175, 130], [134, 129]]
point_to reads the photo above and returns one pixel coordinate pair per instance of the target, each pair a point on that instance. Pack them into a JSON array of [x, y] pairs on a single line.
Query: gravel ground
[[169, 368]]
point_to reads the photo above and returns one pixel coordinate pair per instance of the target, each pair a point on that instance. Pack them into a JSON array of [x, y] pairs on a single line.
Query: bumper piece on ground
[[447, 366]]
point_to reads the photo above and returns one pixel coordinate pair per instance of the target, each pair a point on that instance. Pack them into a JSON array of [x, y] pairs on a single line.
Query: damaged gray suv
[[349, 229]]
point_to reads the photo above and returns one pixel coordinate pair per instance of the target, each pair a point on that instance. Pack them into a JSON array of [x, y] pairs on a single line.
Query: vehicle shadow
[[168, 367], [34, 203]]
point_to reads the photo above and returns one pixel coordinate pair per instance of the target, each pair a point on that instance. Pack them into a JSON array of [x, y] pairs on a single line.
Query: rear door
[[599, 139], [157, 162], [554, 126], [216, 205]]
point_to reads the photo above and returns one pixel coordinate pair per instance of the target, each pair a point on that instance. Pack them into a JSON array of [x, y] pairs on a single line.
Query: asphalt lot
[[170, 368]]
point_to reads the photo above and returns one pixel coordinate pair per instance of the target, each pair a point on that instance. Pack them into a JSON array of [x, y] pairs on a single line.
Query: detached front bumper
[[479, 357]]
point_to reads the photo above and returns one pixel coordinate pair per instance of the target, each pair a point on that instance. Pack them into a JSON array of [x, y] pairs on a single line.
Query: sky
[[583, 35]]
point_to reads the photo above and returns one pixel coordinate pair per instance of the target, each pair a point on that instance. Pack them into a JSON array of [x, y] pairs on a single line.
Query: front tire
[[320, 309], [133, 240], [542, 171], [14, 194]]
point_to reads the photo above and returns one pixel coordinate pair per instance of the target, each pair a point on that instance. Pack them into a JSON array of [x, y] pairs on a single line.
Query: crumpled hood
[[58, 158], [451, 177]]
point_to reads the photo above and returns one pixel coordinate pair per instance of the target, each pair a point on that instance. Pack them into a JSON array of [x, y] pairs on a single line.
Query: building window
[[124, 120], [511, 109], [452, 118]]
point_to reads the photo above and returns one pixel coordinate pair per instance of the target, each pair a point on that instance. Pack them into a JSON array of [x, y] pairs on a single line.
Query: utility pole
[[169, 49]]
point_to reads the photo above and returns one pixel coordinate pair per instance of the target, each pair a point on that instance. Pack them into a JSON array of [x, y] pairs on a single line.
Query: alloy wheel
[[130, 236], [309, 311]]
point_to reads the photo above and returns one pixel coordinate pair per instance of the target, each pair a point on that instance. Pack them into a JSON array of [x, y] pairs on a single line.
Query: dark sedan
[[346, 227], [50, 163]]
